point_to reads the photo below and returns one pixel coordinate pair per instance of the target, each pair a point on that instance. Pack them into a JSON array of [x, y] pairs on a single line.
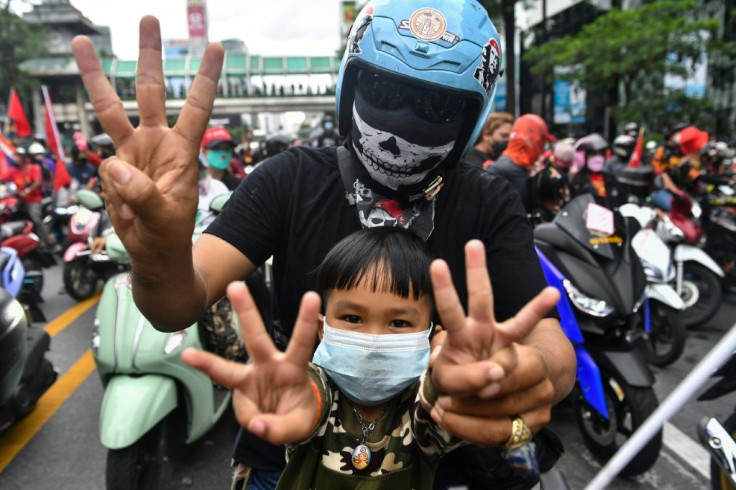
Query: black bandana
[[376, 209]]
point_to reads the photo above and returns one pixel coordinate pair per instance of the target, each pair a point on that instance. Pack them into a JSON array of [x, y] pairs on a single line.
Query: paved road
[[65, 453]]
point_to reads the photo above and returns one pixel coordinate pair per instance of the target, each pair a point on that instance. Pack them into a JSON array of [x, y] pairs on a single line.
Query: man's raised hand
[[151, 182], [483, 366]]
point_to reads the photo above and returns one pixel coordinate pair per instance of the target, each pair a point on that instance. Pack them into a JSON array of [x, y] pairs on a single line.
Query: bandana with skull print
[[397, 148]]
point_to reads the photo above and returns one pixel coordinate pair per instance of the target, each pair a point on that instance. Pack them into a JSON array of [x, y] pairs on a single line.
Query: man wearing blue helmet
[[414, 90]]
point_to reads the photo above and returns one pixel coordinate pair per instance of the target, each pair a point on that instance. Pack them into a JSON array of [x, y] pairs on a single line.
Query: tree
[[633, 50], [19, 41]]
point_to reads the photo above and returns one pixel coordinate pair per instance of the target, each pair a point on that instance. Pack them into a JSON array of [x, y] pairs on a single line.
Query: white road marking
[[688, 451]]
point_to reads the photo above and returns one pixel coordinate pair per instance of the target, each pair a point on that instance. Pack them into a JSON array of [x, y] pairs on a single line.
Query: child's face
[[376, 312]]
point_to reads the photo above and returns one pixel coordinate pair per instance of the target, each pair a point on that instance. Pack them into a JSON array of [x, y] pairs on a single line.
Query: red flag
[[635, 159], [53, 141], [61, 176], [6, 157], [18, 115]]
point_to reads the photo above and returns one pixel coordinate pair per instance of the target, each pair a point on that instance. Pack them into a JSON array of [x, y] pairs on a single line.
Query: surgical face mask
[[372, 369], [596, 163], [218, 159], [329, 126]]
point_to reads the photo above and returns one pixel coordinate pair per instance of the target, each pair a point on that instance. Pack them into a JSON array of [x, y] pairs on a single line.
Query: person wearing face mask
[[529, 136], [81, 171], [414, 90], [217, 148], [591, 179], [368, 391], [329, 136], [493, 140]]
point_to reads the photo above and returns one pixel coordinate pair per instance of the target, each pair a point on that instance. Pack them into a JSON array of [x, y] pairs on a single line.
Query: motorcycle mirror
[[219, 202], [90, 200]]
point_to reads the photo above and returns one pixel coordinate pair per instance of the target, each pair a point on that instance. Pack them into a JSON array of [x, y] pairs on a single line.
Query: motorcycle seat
[[12, 228]]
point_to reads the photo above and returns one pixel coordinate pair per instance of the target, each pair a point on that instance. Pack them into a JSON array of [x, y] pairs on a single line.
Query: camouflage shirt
[[405, 444]]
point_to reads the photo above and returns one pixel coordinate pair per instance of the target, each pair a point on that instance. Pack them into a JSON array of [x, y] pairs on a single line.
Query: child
[[360, 412]]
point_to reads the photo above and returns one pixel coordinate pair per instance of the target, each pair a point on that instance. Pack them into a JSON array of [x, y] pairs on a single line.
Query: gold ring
[[520, 434]]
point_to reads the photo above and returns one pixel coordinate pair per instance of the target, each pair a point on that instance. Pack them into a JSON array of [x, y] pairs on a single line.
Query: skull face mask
[[405, 149]]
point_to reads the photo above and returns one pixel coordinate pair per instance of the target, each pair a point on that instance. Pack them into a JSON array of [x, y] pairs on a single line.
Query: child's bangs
[[390, 260], [380, 277]]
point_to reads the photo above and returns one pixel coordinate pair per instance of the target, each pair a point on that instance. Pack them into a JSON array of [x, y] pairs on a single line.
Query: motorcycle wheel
[[34, 265], [628, 408], [723, 255], [139, 465], [80, 280], [701, 292], [718, 479], [667, 335]]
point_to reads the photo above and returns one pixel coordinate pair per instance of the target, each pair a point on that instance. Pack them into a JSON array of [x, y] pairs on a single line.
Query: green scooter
[[152, 402]]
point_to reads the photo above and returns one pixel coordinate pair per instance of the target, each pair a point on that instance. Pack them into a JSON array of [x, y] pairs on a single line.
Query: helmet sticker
[[363, 21], [427, 24], [446, 36], [487, 72]]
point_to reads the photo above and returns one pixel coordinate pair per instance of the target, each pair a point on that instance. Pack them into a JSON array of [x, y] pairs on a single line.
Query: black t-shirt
[[293, 207], [517, 176], [476, 157]]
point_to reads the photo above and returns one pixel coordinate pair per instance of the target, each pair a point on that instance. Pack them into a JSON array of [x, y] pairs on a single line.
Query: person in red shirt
[[28, 178]]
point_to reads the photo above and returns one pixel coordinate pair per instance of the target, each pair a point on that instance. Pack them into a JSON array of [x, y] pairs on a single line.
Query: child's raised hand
[[482, 359], [272, 396]]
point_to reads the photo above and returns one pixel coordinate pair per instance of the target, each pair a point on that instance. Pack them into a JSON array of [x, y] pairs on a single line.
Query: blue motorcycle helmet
[[449, 46]]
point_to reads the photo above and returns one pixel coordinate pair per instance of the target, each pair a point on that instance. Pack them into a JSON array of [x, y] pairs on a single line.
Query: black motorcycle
[[25, 373], [719, 222], [586, 254]]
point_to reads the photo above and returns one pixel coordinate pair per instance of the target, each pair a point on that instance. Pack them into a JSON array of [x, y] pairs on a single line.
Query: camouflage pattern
[[217, 330], [406, 444]]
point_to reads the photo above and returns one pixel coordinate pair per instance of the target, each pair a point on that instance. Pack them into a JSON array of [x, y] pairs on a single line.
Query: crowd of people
[[548, 172]]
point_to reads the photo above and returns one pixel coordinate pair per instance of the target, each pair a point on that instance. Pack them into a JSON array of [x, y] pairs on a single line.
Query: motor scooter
[[83, 270], [25, 372], [667, 334], [152, 403], [586, 254], [698, 277], [19, 236]]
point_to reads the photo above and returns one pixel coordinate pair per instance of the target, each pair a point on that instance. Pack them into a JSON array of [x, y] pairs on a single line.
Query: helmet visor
[[384, 92]]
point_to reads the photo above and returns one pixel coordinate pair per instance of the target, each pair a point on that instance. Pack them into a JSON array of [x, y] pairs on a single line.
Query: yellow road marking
[[13, 441], [65, 319]]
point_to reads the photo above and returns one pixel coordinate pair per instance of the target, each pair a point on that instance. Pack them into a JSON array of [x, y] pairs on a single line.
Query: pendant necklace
[[361, 455]]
